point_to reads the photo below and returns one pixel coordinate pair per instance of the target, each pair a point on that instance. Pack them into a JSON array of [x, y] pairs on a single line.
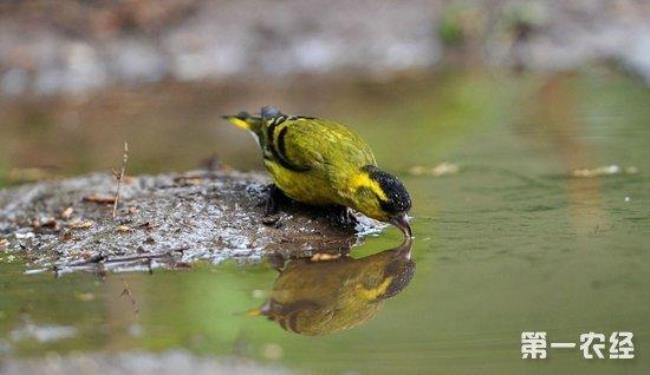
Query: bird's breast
[[311, 187]]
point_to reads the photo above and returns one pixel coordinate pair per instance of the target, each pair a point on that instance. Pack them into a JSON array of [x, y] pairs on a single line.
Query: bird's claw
[[272, 220], [272, 206], [343, 217]]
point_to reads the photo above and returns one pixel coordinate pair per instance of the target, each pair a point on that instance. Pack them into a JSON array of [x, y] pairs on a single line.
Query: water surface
[[511, 242]]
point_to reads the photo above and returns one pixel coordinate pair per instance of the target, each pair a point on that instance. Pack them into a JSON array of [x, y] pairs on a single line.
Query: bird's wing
[[306, 143], [288, 144]]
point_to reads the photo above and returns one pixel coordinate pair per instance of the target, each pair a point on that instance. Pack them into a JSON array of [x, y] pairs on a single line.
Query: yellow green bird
[[323, 163]]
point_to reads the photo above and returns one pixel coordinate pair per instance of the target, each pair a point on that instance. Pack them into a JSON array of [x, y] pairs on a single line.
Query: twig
[[100, 261], [99, 199], [125, 159]]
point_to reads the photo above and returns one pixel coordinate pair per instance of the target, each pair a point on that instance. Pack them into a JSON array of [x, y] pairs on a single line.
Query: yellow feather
[[363, 180], [372, 294]]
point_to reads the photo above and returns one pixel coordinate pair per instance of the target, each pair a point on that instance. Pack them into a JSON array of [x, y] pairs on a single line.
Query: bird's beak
[[401, 221]]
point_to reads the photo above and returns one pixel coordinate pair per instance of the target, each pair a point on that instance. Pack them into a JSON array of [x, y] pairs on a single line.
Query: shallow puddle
[[542, 224]]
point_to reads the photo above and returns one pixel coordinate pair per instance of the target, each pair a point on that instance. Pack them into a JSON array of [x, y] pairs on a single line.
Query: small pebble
[[67, 213]]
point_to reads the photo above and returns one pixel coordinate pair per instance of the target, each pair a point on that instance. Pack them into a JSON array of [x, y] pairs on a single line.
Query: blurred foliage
[[450, 28]]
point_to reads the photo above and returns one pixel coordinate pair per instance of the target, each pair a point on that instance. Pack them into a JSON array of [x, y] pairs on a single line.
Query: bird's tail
[[246, 121]]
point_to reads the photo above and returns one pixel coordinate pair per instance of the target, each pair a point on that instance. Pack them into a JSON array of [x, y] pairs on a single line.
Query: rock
[[165, 220]]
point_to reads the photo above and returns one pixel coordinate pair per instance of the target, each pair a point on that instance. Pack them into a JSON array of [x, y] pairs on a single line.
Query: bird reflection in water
[[326, 296]]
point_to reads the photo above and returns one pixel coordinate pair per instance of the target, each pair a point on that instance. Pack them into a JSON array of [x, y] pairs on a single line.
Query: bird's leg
[[272, 200], [272, 206], [350, 218], [342, 216]]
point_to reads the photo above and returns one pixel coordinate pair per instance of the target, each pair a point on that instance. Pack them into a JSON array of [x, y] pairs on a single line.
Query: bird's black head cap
[[402, 271], [398, 200]]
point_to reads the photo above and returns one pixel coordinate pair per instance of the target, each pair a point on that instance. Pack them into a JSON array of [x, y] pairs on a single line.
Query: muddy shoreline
[[169, 220]]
